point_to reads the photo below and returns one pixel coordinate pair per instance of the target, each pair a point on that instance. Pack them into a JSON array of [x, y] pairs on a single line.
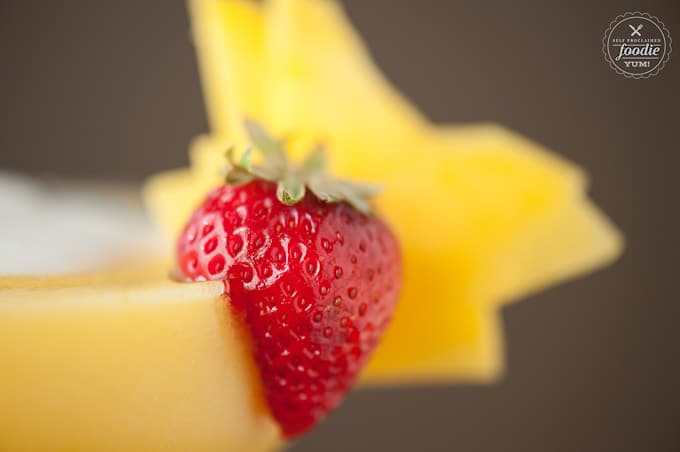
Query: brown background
[[106, 89]]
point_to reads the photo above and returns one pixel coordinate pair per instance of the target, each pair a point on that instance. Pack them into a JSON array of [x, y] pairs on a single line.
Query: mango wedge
[[514, 221], [484, 215], [103, 363]]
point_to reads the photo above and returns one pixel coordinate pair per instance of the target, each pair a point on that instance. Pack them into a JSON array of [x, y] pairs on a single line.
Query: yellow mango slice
[[484, 216], [464, 345], [121, 366], [171, 197], [130, 360], [322, 82], [229, 42], [498, 218]]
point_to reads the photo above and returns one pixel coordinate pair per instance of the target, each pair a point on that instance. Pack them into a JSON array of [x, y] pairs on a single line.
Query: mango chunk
[[328, 87], [232, 86], [147, 366], [171, 197], [497, 218], [484, 215]]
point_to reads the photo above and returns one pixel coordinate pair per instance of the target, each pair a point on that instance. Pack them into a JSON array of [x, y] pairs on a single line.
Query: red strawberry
[[317, 280]]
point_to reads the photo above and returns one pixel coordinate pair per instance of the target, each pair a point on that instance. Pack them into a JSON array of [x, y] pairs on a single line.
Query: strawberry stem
[[292, 182]]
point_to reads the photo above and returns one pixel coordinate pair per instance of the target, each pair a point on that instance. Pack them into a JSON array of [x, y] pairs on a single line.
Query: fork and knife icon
[[636, 30]]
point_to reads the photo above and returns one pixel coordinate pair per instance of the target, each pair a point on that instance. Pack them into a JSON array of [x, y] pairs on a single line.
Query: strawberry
[[313, 273]]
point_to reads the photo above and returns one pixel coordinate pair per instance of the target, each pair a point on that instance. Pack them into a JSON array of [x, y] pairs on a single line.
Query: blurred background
[[110, 90]]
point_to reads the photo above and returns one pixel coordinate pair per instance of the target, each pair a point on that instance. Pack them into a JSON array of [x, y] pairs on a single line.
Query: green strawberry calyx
[[294, 180]]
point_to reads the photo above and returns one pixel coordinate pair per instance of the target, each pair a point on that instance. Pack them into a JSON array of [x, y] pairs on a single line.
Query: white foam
[[52, 228]]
